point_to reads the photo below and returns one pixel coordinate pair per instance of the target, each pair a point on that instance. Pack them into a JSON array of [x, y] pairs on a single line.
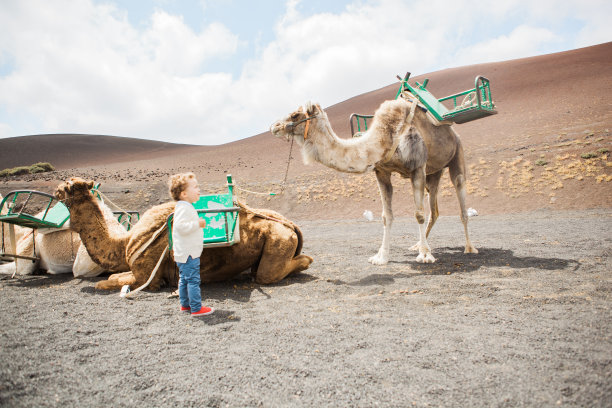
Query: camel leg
[[432, 181], [120, 275], [277, 259], [386, 194], [457, 175], [418, 191], [116, 281]]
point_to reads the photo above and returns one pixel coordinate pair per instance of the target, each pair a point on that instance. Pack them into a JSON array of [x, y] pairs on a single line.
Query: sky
[[210, 72]]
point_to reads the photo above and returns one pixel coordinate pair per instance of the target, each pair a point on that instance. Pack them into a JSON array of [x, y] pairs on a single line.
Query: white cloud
[[179, 51], [522, 42], [82, 67]]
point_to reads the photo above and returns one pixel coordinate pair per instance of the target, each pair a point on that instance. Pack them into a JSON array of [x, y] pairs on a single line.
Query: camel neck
[[356, 155], [105, 248]]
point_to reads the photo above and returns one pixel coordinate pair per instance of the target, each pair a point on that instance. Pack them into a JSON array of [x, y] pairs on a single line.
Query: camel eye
[[295, 115]]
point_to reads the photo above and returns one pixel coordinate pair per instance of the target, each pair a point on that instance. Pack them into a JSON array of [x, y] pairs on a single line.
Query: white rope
[[105, 198], [140, 251], [130, 294], [284, 180], [254, 192], [146, 245]]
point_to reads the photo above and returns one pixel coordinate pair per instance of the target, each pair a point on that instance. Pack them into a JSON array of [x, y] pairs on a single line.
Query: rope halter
[[307, 119]]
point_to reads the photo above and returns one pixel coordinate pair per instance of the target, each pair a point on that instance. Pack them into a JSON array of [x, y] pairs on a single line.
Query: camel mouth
[[277, 129]]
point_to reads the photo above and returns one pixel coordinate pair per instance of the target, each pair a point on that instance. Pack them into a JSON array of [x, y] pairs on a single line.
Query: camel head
[[298, 123], [74, 191]]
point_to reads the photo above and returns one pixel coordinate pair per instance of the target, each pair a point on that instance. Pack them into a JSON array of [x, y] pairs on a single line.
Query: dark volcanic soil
[[526, 322]]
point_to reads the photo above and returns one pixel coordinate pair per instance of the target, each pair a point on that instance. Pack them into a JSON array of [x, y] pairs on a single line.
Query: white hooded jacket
[[187, 236]]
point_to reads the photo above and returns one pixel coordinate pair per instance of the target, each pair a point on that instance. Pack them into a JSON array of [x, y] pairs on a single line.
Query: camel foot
[[116, 281], [470, 250], [119, 275], [268, 274], [381, 258], [425, 258], [302, 263], [106, 285]]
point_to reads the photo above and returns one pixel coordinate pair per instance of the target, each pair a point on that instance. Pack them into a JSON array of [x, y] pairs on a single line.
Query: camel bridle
[[307, 119]]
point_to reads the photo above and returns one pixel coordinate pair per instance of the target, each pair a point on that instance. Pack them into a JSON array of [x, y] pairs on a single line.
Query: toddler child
[[187, 242]]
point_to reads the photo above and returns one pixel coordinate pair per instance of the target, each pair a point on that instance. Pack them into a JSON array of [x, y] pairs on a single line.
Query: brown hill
[[67, 151], [547, 147]]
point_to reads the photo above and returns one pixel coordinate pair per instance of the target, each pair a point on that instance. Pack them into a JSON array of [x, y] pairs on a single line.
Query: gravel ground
[[526, 322]]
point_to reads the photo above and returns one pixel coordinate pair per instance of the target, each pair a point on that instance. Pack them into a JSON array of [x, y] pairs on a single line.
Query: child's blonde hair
[[178, 183]]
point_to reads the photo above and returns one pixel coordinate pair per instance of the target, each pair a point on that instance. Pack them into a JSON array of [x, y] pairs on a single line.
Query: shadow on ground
[[453, 260]]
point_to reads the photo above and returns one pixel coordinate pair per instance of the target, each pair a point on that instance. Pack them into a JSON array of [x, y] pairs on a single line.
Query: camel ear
[[90, 185], [311, 108]]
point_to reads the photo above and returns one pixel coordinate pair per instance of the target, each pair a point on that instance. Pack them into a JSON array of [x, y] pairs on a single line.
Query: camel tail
[[298, 232]]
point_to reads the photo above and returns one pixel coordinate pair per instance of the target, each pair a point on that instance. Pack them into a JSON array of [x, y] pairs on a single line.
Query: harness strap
[[140, 251], [13, 244], [307, 124], [163, 255], [33, 243], [306, 119], [146, 245]]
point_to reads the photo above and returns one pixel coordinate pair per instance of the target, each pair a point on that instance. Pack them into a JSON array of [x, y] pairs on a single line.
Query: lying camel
[[57, 250], [270, 245], [6, 239]]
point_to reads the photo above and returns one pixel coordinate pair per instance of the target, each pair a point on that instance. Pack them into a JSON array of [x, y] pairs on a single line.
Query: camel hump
[[392, 114], [150, 222], [276, 217]]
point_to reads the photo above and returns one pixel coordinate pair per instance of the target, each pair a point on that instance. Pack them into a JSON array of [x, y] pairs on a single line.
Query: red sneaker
[[203, 311], [185, 309]]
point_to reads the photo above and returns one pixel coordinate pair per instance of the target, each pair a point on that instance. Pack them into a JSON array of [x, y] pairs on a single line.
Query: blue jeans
[[189, 284]]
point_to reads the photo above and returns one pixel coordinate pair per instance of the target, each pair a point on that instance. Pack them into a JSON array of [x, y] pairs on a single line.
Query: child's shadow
[[219, 316], [242, 288]]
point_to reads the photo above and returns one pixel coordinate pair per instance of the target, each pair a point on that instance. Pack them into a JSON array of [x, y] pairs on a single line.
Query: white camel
[[59, 250], [401, 139]]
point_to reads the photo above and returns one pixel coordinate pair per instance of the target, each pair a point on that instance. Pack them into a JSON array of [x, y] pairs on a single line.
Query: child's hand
[[202, 223]]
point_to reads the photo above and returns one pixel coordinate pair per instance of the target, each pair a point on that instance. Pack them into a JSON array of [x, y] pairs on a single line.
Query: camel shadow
[[35, 280], [241, 288], [453, 260]]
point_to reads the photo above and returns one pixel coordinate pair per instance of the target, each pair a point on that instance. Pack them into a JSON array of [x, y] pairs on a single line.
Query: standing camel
[[269, 244], [401, 139]]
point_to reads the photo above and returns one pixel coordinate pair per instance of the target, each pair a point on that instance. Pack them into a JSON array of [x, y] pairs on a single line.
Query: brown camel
[[269, 244], [401, 139]]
